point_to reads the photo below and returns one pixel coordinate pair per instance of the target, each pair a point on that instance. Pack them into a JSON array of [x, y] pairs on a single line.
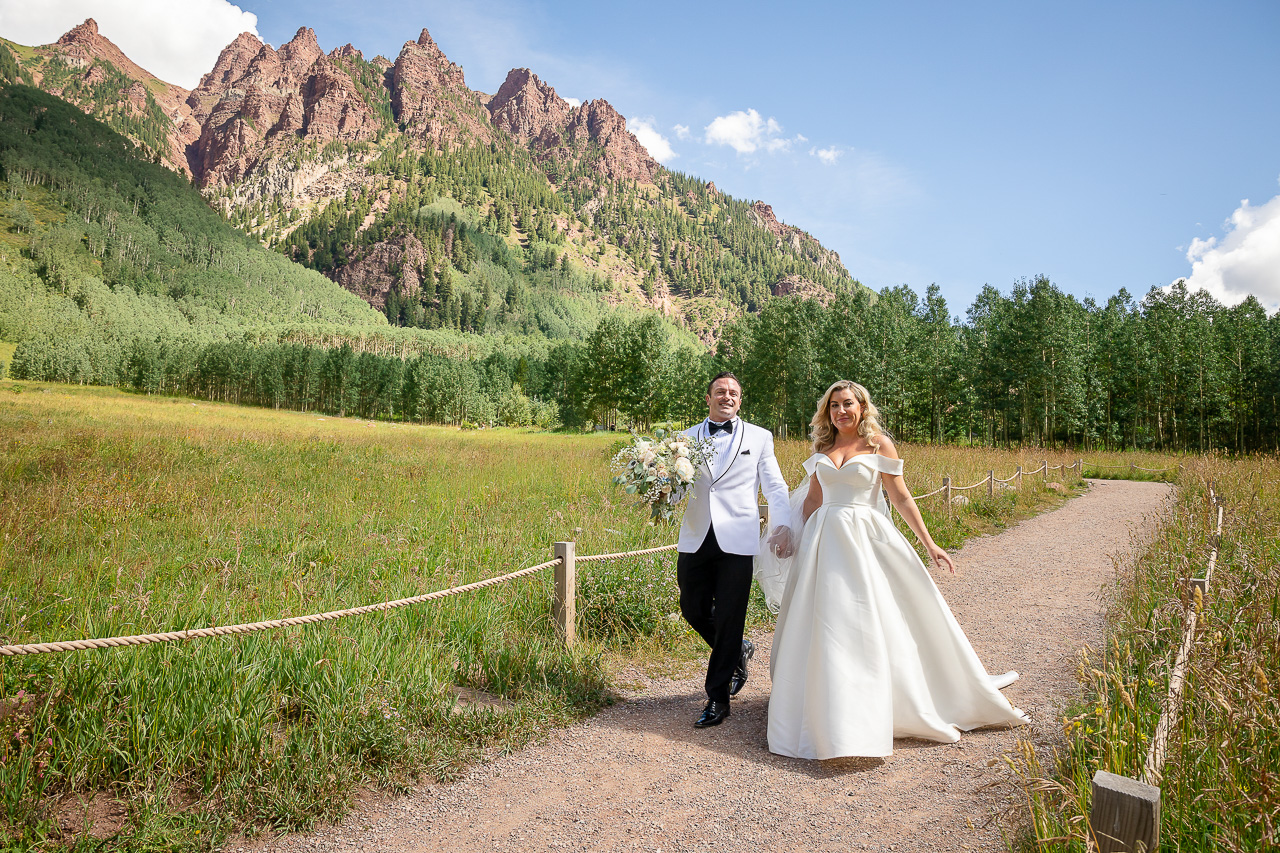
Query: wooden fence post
[[991, 482], [565, 607], [946, 484], [1133, 470], [1019, 478], [1045, 466], [1125, 815]]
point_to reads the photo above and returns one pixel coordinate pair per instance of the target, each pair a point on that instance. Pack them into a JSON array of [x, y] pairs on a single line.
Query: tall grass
[[123, 515], [1218, 790]]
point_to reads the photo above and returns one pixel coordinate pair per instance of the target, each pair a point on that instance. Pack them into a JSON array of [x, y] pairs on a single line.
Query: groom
[[720, 535]]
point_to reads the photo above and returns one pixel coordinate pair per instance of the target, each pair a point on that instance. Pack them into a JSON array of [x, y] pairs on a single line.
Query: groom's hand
[[780, 542]]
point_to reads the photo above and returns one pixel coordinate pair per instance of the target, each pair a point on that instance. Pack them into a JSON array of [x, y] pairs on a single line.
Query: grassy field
[[122, 514], [1219, 789]]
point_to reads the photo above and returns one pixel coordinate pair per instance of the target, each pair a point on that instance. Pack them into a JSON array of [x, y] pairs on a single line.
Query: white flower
[[684, 469], [666, 488], [681, 450], [648, 456]]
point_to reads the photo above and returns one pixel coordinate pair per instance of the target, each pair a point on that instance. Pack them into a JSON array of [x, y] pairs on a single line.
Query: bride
[[865, 649]]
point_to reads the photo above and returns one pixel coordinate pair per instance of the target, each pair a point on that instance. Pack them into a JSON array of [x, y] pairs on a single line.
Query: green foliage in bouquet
[[660, 469]]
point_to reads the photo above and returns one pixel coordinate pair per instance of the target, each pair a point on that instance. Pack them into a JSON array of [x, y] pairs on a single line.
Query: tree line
[[1175, 371]]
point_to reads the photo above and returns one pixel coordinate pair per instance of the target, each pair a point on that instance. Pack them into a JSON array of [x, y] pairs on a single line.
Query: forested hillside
[[499, 272], [382, 175], [101, 249]]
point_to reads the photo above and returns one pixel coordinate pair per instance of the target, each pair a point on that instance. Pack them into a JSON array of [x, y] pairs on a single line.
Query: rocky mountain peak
[[526, 107], [85, 33], [425, 40], [429, 94], [624, 157], [302, 50], [231, 65], [258, 101], [82, 44], [765, 219], [347, 51]]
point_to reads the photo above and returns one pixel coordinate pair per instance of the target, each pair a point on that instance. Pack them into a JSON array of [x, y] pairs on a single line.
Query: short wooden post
[[1133, 470], [565, 608], [1045, 466], [1019, 478], [991, 483], [1125, 815], [946, 485]]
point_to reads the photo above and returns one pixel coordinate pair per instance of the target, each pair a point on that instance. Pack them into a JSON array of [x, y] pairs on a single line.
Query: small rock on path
[[639, 777]]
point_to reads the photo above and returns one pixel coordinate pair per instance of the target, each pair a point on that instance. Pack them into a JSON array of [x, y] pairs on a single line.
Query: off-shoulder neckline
[[847, 460]]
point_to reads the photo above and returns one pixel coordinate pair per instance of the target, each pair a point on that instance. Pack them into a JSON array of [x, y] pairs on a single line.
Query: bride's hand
[[780, 542], [941, 558]]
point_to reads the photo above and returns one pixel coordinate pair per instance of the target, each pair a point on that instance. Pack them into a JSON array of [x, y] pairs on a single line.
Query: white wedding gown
[[865, 648]]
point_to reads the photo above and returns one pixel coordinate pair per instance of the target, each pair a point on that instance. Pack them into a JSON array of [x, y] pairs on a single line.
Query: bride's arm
[[813, 499], [902, 501]]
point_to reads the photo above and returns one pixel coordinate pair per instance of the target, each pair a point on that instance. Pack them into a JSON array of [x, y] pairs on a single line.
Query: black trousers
[[714, 590]]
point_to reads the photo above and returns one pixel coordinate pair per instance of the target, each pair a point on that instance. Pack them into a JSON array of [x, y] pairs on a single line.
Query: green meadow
[[122, 514]]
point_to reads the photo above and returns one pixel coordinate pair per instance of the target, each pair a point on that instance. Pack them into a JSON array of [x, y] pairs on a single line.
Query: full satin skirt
[[866, 649]]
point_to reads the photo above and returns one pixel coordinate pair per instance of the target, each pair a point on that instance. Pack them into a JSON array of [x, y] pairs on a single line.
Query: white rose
[[682, 450], [642, 446], [684, 469]]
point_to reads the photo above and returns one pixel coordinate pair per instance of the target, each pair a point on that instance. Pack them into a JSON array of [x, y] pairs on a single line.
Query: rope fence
[[1125, 812], [564, 606], [252, 627]]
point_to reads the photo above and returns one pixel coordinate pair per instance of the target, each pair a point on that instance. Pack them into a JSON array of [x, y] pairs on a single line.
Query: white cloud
[[747, 132], [573, 102], [177, 42], [682, 131], [1245, 261], [828, 155], [657, 144]]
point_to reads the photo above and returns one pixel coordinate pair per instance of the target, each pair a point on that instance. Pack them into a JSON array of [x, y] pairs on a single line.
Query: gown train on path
[[866, 648]]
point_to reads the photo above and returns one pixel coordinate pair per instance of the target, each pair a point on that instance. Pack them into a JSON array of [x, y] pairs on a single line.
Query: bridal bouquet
[[661, 469]]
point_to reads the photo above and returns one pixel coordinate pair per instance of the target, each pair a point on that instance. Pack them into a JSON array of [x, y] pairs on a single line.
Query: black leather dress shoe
[[713, 714], [740, 671]]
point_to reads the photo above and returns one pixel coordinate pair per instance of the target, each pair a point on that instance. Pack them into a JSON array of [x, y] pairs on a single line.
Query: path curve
[[639, 777]]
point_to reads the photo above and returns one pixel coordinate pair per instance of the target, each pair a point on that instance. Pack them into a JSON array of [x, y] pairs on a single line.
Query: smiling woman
[[124, 515]]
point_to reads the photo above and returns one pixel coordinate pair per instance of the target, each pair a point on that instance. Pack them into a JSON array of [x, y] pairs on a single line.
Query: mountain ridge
[[275, 137]]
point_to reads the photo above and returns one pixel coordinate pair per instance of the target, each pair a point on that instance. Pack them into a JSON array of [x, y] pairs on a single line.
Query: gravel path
[[639, 777]]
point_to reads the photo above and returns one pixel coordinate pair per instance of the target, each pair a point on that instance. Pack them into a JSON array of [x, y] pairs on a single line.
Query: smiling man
[[720, 535]]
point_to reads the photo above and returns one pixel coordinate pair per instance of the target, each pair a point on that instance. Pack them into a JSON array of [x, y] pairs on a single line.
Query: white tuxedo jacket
[[729, 500]]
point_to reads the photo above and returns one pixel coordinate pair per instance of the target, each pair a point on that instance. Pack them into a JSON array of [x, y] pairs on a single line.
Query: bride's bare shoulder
[[886, 447]]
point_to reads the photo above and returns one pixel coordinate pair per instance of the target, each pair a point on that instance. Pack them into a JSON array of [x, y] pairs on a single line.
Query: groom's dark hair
[[725, 375]]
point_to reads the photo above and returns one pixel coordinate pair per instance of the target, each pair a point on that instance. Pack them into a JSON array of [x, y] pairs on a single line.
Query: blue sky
[[1104, 145]]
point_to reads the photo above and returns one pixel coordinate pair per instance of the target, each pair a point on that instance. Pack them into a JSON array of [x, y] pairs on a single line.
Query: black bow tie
[[713, 428]]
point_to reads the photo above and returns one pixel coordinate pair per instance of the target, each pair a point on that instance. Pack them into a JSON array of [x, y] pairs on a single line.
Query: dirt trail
[[639, 777]]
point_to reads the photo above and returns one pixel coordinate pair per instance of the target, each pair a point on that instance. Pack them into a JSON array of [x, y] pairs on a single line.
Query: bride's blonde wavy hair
[[824, 431]]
